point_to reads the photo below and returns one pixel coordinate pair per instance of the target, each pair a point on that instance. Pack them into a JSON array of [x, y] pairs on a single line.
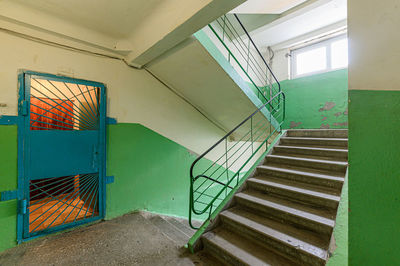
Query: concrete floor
[[133, 239]]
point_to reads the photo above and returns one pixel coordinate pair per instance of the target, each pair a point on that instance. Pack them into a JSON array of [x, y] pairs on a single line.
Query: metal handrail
[[258, 51], [244, 51], [209, 187], [193, 178]]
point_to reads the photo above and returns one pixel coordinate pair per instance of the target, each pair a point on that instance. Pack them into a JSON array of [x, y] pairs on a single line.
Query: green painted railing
[[244, 55], [219, 170], [212, 180]]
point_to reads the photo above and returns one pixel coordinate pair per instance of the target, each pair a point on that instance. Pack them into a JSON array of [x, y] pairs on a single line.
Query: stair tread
[[302, 172], [244, 250], [303, 240], [298, 158], [298, 187], [306, 169], [308, 138], [311, 148], [312, 213]]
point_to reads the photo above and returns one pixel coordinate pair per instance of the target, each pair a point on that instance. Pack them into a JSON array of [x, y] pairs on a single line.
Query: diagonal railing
[[219, 170], [241, 51]]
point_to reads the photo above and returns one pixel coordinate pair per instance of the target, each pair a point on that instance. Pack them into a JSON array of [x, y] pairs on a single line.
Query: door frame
[[23, 142]]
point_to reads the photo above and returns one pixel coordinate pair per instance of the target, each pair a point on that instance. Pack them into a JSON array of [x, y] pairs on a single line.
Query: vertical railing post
[[223, 30], [248, 55], [251, 130], [227, 165]]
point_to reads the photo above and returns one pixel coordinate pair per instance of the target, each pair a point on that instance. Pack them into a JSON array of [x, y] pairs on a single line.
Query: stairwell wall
[[374, 95], [150, 149]]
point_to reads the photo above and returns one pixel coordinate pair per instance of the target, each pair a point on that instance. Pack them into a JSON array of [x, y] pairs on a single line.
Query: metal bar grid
[[51, 205], [68, 106]]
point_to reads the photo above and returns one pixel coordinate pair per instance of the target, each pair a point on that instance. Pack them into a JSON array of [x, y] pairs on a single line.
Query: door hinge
[[23, 206], [109, 179], [24, 107]]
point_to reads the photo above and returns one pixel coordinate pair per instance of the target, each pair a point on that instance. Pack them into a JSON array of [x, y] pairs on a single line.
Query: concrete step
[[339, 143], [232, 249], [291, 242], [302, 175], [312, 152], [169, 230], [334, 166], [318, 133], [295, 191], [299, 215], [182, 225]]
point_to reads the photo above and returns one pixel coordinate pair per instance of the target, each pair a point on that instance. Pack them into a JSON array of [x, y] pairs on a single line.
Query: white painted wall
[[280, 63], [134, 95], [374, 50]]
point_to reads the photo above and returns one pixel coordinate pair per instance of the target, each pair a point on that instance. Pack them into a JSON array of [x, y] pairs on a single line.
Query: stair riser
[[340, 168], [314, 143], [280, 215], [318, 133], [319, 153], [337, 185], [273, 244], [293, 195], [220, 254]]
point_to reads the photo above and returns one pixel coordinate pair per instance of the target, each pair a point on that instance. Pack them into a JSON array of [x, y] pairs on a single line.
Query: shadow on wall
[[318, 101]]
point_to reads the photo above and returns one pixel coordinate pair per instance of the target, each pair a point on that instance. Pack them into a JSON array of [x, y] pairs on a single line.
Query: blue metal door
[[62, 139]]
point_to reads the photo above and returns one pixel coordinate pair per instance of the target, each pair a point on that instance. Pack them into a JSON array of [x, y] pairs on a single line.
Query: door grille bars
[[62, 106], [57, 201]]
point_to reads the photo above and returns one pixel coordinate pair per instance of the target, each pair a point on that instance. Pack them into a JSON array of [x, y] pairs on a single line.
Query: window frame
[[327, 43]]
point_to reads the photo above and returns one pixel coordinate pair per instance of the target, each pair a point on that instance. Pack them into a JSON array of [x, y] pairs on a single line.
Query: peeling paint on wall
[[317, 101], [325, 126], [294, 124], [337, 114], [344, 124], [328, 106]]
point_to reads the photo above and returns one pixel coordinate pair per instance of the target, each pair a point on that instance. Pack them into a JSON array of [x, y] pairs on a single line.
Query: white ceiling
[[138, 30], [316, 15], [266, 6]]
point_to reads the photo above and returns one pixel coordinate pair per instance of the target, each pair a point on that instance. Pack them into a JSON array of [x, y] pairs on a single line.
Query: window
[[321, 57]]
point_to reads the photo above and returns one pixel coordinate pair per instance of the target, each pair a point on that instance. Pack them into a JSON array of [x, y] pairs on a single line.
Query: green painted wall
[[318, 101], [151, 172], [340, 256], [8, 181], [374, 177]]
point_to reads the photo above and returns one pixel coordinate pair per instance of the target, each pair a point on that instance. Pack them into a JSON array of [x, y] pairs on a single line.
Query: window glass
[[311, 61], [320, 57], [339, 54]]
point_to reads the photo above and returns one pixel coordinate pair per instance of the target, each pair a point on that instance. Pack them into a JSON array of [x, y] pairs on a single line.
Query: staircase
[[284, 214]]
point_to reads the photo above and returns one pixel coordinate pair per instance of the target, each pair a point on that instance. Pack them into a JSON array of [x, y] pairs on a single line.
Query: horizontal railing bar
[[243, 48], [243, 56], [233, 130], [258, 51], [233, 178]]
